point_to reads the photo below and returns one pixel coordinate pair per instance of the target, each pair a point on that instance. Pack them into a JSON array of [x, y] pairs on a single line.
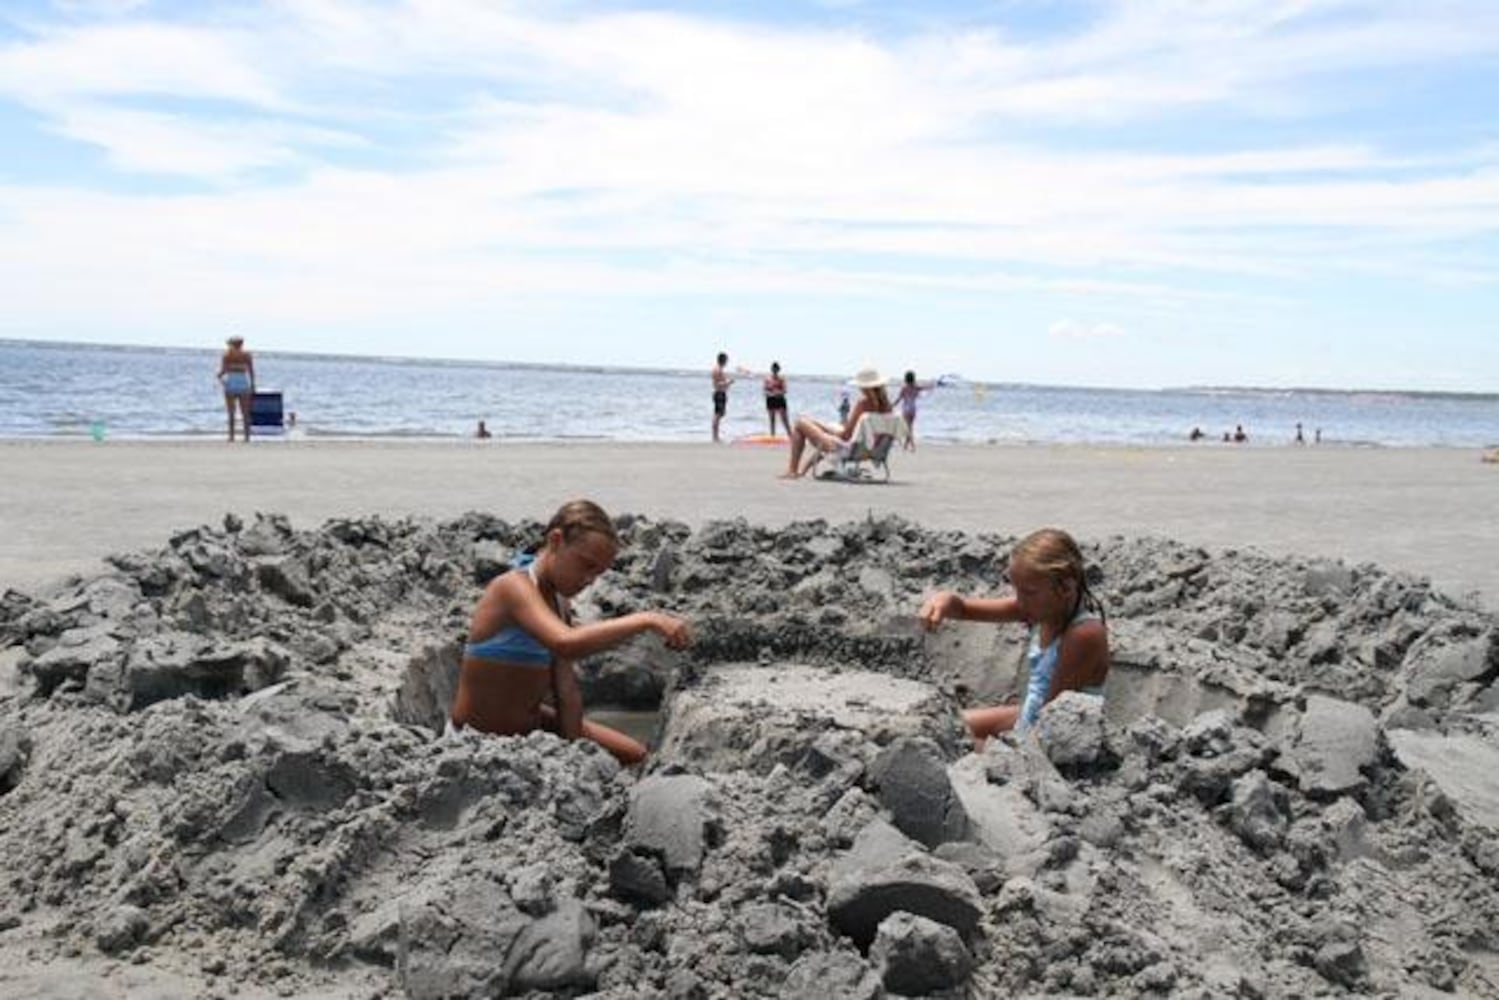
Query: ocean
[[75, 390]]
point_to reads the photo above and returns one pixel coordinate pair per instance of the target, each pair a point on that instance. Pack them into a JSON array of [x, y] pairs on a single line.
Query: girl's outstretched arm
[[945, 605], [519, 601]]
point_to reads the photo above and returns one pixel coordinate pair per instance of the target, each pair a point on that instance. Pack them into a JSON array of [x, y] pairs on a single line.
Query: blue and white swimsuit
[[237, 383], [1043, 663], [513, 644]]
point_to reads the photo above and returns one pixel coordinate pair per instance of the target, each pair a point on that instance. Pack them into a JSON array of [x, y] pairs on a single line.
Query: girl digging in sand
[[518, 673], [826, 437], [1069, 640]]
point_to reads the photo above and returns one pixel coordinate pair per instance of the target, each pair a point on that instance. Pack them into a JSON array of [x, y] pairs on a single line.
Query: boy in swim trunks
[[721, 382]]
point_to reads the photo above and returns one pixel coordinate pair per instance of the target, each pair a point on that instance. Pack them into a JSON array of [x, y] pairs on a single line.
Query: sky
[[1141, 194]]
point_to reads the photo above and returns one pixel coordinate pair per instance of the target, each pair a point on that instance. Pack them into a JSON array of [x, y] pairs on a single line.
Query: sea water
[[74, 390]]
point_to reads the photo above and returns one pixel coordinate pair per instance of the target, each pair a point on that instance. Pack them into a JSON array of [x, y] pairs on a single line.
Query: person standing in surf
[[775, 399], [910, 390], [721, 382], [237, 375]]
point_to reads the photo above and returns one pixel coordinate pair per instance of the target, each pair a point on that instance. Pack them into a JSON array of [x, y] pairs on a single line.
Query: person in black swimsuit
[[775, 398]]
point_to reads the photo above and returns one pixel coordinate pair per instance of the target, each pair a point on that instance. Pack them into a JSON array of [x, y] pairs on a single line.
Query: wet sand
[[1428, 511]]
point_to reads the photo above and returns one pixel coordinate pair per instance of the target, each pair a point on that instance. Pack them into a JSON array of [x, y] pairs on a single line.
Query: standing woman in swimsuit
[[237, 375], [518, 670], [775, 398], [1069, 640]]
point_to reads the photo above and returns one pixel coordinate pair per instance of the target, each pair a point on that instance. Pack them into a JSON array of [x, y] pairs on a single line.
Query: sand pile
[[219, 775]]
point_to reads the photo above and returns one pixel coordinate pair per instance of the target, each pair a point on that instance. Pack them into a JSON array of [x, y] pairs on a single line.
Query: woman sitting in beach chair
[[867, 450], [829, 438]]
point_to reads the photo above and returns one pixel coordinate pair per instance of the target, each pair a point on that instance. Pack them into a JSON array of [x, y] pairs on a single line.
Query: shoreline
[[1427, 511], [301, 439]]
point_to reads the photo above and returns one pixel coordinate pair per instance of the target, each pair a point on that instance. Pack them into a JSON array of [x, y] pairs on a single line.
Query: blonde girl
[[1069, 642]]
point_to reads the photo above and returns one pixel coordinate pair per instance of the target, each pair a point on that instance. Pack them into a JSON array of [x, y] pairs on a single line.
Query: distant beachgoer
[[1239, 436], [291, 420], [844, 402], [1196, 434], [825, 437], [1069, 640], [1300, 438], [721, 382], [910, 389], [518, 670], [775, 398], [482, 431], [1317, 437], [237, 375]]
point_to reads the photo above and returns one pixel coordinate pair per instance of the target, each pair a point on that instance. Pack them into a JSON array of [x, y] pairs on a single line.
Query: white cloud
[[151, 142], [513, 151], [1067, 329], [118, 60]]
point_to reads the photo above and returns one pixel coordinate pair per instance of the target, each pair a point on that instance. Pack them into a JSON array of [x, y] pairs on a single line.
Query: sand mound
[[219, 773]]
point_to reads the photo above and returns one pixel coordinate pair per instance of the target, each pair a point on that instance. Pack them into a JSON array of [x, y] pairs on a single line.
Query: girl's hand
[[674, 630], [938, 608]]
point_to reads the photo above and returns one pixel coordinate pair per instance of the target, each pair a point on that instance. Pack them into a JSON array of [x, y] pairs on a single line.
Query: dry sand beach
[[220, 772], [1425, 511]]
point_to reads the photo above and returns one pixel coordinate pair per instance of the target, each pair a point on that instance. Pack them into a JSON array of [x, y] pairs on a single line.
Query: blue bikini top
[[513, 644]]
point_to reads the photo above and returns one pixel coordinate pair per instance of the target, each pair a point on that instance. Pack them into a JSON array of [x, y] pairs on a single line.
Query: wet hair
[[775, 368], [1054, 554], [578, 517], [723, 358], [910, 378]]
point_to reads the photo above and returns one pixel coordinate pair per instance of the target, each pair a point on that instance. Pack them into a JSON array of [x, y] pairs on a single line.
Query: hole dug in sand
[[1288, 790]]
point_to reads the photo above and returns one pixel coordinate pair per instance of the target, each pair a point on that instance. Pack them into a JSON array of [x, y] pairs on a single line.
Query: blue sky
[[1141, 194]]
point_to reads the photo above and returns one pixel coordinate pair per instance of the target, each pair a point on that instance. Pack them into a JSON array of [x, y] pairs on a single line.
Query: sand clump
[[220, 775]]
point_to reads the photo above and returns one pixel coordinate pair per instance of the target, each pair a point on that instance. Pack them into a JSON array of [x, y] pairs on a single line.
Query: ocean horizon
[[52, 389]]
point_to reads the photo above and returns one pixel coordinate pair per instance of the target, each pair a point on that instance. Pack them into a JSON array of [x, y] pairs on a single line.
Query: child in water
[[518, 665], [1069, 641], [910, 391]]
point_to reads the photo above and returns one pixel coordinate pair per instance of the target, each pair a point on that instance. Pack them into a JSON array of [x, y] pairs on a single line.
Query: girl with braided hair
[[1069, 640]]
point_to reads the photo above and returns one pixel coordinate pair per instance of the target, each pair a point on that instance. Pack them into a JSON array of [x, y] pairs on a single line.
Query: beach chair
[[867, 451], [266, 414]]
